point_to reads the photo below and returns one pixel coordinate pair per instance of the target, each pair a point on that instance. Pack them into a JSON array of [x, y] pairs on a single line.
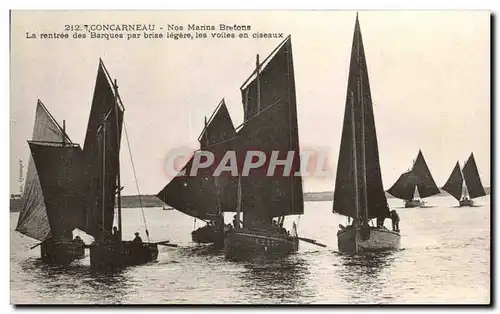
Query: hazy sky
[[429, 75]]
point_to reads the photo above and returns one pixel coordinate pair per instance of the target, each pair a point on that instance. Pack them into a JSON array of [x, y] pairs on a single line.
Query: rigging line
[[136, 182]]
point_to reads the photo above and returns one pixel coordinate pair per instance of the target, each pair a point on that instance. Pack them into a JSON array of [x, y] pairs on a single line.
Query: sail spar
[[270, 108], [359, 100], [420, 177], [33, 220]]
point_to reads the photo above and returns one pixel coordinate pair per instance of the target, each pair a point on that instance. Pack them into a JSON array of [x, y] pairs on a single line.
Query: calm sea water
[[445, 258]]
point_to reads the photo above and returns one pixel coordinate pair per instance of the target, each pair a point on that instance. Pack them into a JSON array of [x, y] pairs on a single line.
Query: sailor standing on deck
[[395, 220], [137, 238], [235, 223]]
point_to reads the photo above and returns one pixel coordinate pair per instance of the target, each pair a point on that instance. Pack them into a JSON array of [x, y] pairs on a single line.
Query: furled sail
[[420, 177], [61, 174], [472, 180], [455, 183], [358, 100], [33, 220], [203, 196], [271, 125], [101, 150]]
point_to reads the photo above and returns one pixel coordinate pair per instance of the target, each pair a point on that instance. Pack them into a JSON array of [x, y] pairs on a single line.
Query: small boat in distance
[[359, 193], [415, 184], [51, 208], [465, 185]]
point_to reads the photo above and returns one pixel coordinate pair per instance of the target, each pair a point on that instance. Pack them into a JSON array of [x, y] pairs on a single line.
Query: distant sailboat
[[415, 184], [51, 209], [465, 185], [270, 124], [359, 193], [102, 150], [204, 196]]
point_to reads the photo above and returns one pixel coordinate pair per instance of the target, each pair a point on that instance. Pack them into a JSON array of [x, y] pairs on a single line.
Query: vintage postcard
[[250, 157]]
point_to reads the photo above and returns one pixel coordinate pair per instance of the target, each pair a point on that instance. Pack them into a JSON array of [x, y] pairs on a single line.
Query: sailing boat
[[204, 196], [465, 185], [101, 149], [359, 193], [50, 209], [270, 125], [415, 184]]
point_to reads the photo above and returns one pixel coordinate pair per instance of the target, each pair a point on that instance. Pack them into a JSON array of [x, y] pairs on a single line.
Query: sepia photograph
[[250, 157]]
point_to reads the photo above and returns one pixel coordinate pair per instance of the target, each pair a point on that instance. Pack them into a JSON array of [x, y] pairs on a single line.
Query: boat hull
[[465, 203], [61, 252], [207, 234], [243, 243], [121, 254], [413, 203], [380, 239]]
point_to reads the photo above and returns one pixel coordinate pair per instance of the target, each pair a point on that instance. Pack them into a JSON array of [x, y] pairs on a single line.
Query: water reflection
[[78, 279], [277, 279], [366, 274]]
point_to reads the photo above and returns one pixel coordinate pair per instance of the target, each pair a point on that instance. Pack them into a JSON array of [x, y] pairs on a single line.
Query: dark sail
[[33, 220], [102, 149], [426, 185], [218, 138], [62, 181], [219, 127], [358, 96], [472, 180], [455, 183], [203, 196], [192, 195], [273, 128], [404, 187], [420, 177]]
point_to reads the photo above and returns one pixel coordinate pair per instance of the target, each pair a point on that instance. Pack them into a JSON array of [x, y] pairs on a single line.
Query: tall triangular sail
[[419, 177], [472, 180], [270, 124], [33, 220], [359, 100], [102, 149], [426, 184], [455, 183]]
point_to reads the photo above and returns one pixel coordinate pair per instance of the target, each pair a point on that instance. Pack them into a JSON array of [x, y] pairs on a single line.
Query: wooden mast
[[257, 70], [64, 133], [362, 131], [118, 181], [103, 201], [355, 161]]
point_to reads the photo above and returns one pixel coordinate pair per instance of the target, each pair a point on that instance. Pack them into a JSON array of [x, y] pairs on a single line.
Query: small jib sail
[[418, 178], [473, 186], [359, 192], [203, 195], [101, 150], [34, 218], [270, 125]]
